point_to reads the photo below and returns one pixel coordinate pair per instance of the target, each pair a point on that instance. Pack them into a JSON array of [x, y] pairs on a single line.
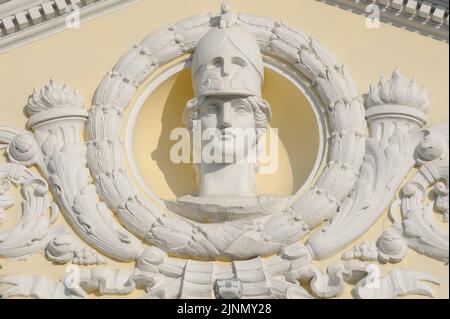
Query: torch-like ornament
[[396, 111], [54, 101], [397, 98], [57, 117]]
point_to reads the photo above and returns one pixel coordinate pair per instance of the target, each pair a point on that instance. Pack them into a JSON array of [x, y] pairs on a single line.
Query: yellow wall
[[81, 57]]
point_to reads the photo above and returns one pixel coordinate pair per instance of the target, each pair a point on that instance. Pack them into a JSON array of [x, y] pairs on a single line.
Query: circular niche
[[300, 137]]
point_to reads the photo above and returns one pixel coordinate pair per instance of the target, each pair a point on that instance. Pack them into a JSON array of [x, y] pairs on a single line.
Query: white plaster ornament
[[226, 219]]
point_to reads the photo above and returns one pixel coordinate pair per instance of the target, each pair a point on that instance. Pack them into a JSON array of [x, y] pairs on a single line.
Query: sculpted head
[[227, 75]]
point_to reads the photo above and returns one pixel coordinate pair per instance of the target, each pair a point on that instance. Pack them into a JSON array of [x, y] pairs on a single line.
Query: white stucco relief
[[373, 145]]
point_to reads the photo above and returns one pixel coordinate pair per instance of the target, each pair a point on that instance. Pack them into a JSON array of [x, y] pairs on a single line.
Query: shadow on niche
[[179, 177], [292, 116], [297, 126]]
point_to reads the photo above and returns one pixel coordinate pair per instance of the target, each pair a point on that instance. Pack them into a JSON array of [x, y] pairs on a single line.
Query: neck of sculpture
[[237, 180]]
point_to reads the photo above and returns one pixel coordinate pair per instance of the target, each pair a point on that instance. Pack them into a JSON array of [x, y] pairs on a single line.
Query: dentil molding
[[426, 17], [24, 21]]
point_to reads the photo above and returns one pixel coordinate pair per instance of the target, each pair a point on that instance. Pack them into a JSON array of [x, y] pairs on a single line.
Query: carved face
[[228, 127], [227, 62], [227, 74]]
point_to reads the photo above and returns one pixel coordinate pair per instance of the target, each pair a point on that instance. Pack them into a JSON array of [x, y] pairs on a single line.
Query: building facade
[[97, 125]]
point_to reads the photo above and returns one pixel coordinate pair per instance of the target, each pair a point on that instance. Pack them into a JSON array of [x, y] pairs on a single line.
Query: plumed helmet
[[227, 61]]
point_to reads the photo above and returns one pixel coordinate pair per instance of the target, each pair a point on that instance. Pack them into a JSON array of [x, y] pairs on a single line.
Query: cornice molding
[[429, 18], [25, 21]]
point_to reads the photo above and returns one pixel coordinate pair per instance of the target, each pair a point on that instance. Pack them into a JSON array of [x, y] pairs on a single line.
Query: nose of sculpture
[[226, 115]]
